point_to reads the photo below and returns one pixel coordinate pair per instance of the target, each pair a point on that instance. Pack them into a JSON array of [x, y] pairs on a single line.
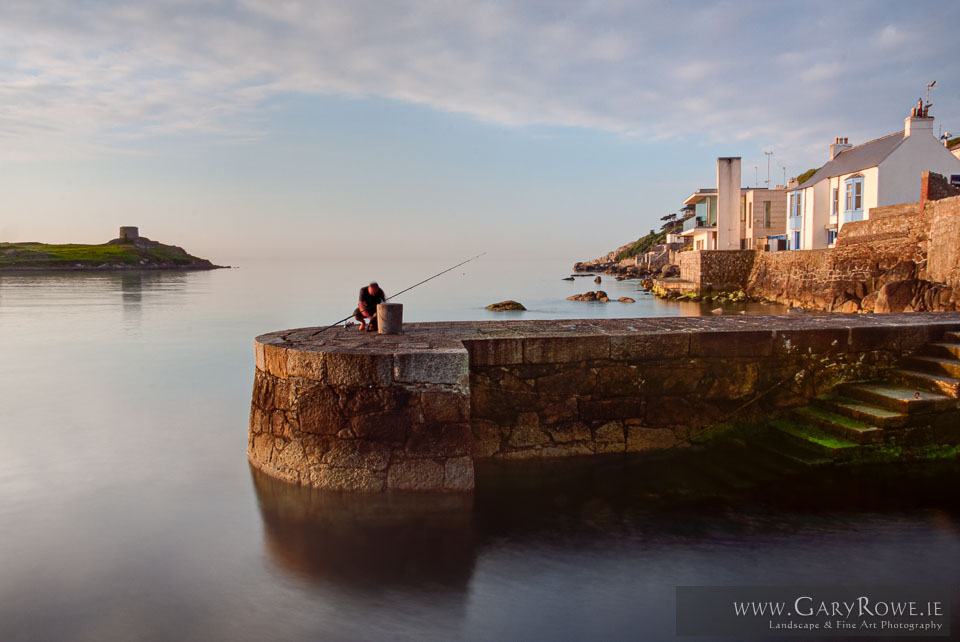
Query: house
[[885, 171], [722, 221], [765, 213], [701, 228]]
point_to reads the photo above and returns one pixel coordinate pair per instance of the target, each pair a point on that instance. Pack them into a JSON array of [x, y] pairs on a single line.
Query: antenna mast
[[769, 154], [928, 105]]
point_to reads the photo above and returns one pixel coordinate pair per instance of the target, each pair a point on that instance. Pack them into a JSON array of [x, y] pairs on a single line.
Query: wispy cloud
[[81, 78]]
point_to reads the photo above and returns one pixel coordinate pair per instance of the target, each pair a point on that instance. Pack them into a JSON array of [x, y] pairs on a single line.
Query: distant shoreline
[[112, 268], [121, 254]]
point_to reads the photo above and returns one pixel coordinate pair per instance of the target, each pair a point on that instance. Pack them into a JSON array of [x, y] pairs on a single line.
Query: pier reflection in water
[[369, 542], [593, 548]]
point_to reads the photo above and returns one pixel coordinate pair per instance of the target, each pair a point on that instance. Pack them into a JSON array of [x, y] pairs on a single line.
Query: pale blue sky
[[265, 128]]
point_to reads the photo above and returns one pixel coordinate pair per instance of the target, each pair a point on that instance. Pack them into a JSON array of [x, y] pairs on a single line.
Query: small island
[[129, 251]]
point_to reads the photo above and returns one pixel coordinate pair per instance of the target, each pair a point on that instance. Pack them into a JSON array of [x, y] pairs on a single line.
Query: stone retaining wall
[[904, 257], [942, 219], [717, 270], [350, 411]]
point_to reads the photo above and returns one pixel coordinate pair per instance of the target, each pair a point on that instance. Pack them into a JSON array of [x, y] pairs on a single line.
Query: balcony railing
[[833, 219], [852, 215], [694, 221], [795, 223]]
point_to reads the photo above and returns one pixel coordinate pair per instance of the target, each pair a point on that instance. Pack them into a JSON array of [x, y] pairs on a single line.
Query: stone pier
[[412, 412]]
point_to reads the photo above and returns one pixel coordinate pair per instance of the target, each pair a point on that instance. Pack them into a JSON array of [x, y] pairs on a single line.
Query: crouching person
[[366, 312]]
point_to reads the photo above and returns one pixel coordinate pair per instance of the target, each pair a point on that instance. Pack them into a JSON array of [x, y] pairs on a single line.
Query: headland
[[129, 251]]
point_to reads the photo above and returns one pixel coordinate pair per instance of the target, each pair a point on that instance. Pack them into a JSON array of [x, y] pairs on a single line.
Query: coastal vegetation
[[672, 224], [802, 178], [140, 254]]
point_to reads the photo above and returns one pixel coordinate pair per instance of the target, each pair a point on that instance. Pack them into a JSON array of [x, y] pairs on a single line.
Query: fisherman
[[370, 296]]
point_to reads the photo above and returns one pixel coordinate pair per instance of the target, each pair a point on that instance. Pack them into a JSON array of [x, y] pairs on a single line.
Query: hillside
[[142, 254]]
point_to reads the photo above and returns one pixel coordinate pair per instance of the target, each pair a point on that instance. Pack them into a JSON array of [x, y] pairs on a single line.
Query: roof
[[857, 158], [703, 192], [700, 194]]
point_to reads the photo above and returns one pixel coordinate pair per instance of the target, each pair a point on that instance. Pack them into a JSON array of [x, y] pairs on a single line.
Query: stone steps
[[867, 413], [927, 381], [807, 445], [915, 403], [896, 398], [934, 365], [942, 349], [838, 425]]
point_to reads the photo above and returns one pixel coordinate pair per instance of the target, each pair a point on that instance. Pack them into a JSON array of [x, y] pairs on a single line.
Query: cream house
[[885, 171]]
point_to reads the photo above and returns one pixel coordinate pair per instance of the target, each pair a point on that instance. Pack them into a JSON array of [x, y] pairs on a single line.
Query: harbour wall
[[903, 258], [360, 412]]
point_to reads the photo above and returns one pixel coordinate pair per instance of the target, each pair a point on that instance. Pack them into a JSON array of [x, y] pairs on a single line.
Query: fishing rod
[[406, 290]]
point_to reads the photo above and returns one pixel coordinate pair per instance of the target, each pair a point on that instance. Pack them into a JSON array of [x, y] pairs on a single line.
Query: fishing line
[[402, 291]]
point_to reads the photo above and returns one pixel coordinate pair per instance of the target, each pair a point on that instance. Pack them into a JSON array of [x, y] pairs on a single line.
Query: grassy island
[[140, 253]]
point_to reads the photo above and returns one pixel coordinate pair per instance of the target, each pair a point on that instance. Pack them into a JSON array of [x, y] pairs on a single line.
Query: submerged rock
[[626, 299], [505, 305]]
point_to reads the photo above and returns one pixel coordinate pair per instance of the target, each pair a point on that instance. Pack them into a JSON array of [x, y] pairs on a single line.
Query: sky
[[433, 129]]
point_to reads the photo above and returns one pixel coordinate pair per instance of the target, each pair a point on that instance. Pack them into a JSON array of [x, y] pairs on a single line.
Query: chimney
[[917, 122], [839, 144], [728, 203]]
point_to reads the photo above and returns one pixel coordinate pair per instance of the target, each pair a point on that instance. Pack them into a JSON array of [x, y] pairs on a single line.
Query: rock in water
[[716, 311], [568, 278], [597, 280], [505, 305], [601, 294], [626, 299]]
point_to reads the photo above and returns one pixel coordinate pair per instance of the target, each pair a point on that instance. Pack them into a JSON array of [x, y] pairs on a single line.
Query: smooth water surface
[[128, 510]]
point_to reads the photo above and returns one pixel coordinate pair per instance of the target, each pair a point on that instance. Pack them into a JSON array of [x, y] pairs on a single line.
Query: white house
[[885, 171]]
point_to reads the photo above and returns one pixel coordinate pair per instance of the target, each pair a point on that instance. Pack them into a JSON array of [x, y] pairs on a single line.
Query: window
[[836, 201], [854, 200], [796, 204], [831, 235], [743, 209], [750, 214], [796, 240], [766, 213]]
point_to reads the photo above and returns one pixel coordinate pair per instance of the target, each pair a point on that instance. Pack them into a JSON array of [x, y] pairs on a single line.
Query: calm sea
[[128, 510]]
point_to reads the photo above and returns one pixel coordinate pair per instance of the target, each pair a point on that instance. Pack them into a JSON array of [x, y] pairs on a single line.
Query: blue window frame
[[831, 237]]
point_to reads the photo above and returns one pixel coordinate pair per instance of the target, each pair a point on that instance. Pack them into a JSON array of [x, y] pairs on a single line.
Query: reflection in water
[[592, 548], [369, 542], [85, 288], [131, 289], [127, 511]]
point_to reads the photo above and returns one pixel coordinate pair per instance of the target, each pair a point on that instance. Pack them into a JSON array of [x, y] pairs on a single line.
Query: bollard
[[390, 318]]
